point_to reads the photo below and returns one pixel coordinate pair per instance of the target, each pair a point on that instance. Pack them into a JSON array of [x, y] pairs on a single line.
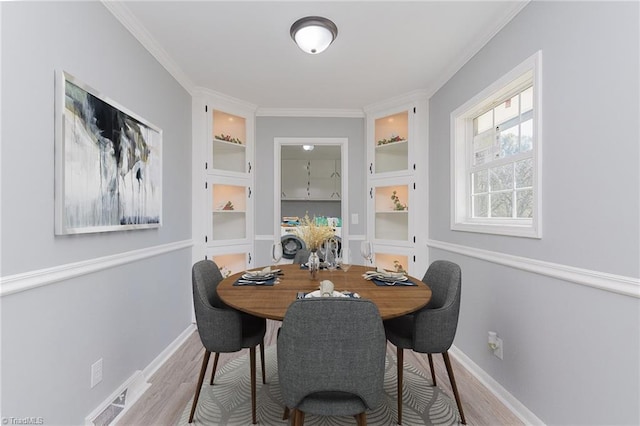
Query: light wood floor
[[174, 384]]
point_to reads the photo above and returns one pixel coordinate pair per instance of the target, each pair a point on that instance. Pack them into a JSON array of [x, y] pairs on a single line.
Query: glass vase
[[313, 264]]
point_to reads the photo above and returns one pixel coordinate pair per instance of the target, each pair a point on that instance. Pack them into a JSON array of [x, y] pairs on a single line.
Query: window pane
[[509, 141], [526, 136], [524, 204], [502, 204], [501, 177], [484, 122], [480, 181], [526, 100], [524, 173], [480, 205], [507, 110]]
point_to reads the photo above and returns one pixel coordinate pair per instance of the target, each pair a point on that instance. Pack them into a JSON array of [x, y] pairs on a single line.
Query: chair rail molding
[[16, 283], [627, 286]]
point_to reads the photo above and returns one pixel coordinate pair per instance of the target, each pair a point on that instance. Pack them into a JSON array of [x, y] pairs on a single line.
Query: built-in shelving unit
[[224, 141], [396, 139]]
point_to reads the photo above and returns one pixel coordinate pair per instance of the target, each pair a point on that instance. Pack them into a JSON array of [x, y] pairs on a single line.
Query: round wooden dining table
[[272, 301]]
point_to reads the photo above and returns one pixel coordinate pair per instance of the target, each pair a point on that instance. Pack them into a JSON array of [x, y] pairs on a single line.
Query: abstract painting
[[108, 163]]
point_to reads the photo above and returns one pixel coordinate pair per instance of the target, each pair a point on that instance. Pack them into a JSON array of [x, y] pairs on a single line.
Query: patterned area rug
[[228, 402]]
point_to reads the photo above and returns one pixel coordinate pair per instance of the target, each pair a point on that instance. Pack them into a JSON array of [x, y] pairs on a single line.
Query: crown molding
[[413, 96], [475, 47], [223, 100], [131, 23], [310, 112]]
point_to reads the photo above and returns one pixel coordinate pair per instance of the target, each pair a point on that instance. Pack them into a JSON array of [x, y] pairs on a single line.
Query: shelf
[[228, 226], [392, 156], [229, 144], [390, 226], [229, 211], [386, 260], [324, 200], [392, 211], [401, 145], [231, 262], [228, 156]]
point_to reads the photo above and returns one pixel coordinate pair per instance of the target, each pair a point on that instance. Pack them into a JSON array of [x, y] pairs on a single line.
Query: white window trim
[[460, 158]]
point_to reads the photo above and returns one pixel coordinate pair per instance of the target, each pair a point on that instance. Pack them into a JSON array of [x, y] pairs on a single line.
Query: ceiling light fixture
[[313, 34], [307, 147]]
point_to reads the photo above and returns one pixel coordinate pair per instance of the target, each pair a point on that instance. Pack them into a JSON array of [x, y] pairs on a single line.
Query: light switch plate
[[354, 218]]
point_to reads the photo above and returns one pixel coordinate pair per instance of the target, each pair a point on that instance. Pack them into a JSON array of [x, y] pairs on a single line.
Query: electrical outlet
[[498, 351], [96, 372], [495, 344]]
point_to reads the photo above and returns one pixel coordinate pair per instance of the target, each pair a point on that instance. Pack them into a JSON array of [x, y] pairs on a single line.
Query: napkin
[[392, 283], [335, 294], [242, 281]]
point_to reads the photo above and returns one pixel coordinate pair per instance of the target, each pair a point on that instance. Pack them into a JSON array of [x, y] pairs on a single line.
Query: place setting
[[266, 276], [326, 289], [382, 277]]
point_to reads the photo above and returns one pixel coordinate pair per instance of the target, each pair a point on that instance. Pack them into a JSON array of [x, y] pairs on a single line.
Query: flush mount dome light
[[313, 34], [307, 147]]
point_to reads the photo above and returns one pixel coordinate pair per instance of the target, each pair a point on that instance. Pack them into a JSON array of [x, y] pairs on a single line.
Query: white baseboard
[[134, 386], [166, 354], [138, 383], [496, 389]]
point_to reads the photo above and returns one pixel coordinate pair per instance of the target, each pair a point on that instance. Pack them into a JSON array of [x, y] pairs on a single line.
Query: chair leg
[[433, 371], [447, 363], [215, 367], [361, 419], [252, 358], [299, 418], [400, 358], [264, 377], [285, 415], [203, 370]]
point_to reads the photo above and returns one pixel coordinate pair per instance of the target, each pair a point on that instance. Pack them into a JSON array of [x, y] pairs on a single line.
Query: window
[[496, 156]]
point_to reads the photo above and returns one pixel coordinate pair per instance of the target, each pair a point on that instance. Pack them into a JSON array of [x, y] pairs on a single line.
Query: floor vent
[[110, 411]]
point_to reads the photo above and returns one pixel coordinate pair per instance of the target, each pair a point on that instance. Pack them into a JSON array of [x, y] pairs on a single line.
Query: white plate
[[386, 278], [252, 277]]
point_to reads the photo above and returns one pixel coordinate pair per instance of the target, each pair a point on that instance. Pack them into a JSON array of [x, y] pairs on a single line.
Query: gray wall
[[571, 352], [268, 128], [125, 314]]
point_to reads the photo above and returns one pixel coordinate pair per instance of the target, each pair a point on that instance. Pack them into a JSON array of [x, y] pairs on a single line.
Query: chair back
[[219, 327], [302, 256], [332, 345], [436, 324]]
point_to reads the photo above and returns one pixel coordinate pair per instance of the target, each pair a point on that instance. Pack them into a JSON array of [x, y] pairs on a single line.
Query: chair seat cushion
[[399, 331], [332, 404]]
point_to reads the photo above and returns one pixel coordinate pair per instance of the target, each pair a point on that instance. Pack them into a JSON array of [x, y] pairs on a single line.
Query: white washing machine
[[291, 242]]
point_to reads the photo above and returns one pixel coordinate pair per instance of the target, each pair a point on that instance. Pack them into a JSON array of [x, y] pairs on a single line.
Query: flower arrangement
[[228, 138], [397, 266], [225, 272], [397, 205], [312, 233], [390, 140]]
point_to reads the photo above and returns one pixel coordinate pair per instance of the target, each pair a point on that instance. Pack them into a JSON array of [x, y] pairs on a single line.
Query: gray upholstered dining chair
[[331, 358], [301, 256], [223, 329], [431, 329]]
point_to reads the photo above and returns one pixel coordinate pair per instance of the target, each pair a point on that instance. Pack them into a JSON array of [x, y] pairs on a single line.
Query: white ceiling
[[384, 49]]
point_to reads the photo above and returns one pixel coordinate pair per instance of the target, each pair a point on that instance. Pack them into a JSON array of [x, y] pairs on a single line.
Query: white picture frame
[[108, 163]]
